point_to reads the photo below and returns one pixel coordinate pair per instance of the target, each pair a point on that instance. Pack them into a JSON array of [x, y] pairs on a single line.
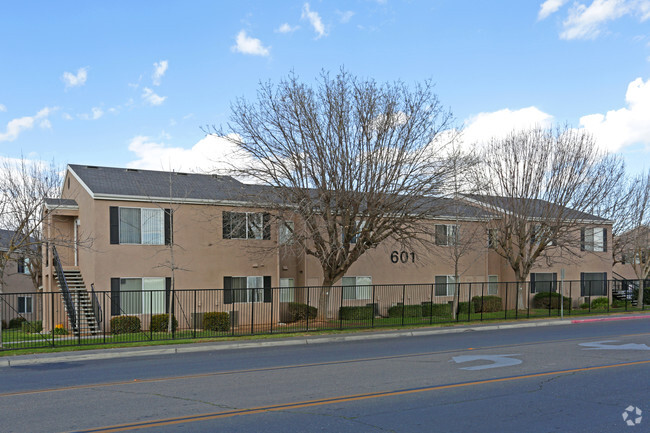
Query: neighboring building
[[114, 229], [19, 298]]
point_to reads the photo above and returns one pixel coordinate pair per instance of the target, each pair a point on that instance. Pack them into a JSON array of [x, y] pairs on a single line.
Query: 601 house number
[[402, 256]]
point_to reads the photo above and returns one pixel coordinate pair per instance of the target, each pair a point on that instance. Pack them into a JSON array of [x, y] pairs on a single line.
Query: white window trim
[[142, 222], [31, 304], [253, 294], [362, 291], [450, 282], [490, 283]]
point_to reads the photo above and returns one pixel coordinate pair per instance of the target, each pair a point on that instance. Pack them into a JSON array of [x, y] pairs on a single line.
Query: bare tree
[[542, 185], [353, 159]]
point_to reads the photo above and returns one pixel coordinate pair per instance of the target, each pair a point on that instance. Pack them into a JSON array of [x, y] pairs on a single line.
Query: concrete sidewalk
[[96, 354]]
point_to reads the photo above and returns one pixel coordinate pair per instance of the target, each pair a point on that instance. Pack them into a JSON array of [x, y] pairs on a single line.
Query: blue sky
[[131, 83]]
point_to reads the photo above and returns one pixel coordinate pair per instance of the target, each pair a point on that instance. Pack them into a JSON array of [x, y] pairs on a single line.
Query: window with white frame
[[445, 285], [286, 290], [593, 284], [24, 304], [248, 289], [493, 238], [446, 234], [358, 226], [285, 235], [246, 225], [357, 287], [593, 239], [139, 226], [142, 295], [493, 284], [23, 265]]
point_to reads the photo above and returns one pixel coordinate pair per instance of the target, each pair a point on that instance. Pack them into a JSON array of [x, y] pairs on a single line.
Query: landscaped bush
[[357, 313], [17, 322], [3, 325], [216, 322], [436, 310], [544, 299], [406, 310], [298, 311], [124, 325], [463, 307], [584, 306], [60, 330], [618, 303], [32, 327], [599, 303], [160, 323], [487, 304]]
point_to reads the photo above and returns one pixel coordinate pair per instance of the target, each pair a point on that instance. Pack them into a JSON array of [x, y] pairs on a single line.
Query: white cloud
[[211, 153], [16, 126], [45, 124], [3, 108], [151, 98], [286, 28], [159, 69], [67, 116], [499, 123], [72, 80], [626, 126], [314, 19], [345, 16], [95, 113], [248, 45], [549, 7]]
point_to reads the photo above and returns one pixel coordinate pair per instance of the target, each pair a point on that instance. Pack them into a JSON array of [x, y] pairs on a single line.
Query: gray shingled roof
[[6, 236], [156, 184], [57, 202]]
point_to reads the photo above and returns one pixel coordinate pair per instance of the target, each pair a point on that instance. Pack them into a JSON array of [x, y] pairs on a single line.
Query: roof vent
[[91, 166], [135, 170], [181, 174]]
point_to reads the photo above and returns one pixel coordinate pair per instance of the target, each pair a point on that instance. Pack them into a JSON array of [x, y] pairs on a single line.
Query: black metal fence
[[32, 320]]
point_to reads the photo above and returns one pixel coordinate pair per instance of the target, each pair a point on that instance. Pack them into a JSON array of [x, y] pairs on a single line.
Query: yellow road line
[[336, 400]]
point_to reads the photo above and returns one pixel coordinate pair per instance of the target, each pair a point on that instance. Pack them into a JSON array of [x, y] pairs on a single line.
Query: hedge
[[436, 310], [160, 323], [125, 325], [32, 327], [298, 311], [463, 307], [17, 322], [600, 303], [215, 321], [544, 299], [407, 310], [356, 313], [487, 304]]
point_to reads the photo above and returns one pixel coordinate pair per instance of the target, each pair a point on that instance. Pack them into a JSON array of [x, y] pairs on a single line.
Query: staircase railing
[[97, 308], [67, 297]]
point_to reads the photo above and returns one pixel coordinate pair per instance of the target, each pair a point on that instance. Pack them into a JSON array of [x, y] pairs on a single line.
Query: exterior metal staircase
[[81, 302]]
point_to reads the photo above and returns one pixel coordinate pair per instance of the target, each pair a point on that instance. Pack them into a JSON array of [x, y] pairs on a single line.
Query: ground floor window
[[247, 289], [24, 304], [543, 282], [357, 287], [593, 283], [445, 285], [286, 289], [139, 295], [493, 284]]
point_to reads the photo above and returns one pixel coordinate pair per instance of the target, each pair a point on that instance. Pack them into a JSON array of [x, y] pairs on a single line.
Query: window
[[247, 289], [493, 284], [23, 265], [285, 236], [493, 238], [286, 289], [445, 285], [246, 225], [543, 282], [24, 304], [357, 287], [446, 234], [541, 233], [593, 284], [359, 226], [139, 295], [593, 239], [140, 226]]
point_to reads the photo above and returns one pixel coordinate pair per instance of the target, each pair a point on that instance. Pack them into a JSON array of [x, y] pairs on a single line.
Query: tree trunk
[[640, 297], [520, 293], [323, 300]]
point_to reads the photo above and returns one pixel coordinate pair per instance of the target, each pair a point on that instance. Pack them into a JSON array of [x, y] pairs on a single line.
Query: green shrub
[[463, 307], [487, 304], [646, 295], [17, 322], [124, 325], [544, 299], [584, 305], [407, 310], [298, 311], [60, 330], [436, 310], [618, 303], [216, 322], [160, 323], [600, 303], [32, 327], [357, 313], [3, 325]]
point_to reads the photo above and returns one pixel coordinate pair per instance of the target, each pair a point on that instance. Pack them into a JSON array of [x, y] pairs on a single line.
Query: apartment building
[[17, 287]]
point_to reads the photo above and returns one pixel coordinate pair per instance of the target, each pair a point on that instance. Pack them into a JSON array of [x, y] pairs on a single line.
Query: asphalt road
[[572, 378]]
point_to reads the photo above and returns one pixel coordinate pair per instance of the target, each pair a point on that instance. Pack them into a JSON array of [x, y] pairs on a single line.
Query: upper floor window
[[285, 235], [23, 265], [246, 225], [593, 239], [140, 226], [493, 238], [446, 234]]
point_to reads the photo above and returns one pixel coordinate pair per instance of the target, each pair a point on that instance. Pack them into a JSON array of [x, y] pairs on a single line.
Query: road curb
[[610, 319], [297, 341]]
